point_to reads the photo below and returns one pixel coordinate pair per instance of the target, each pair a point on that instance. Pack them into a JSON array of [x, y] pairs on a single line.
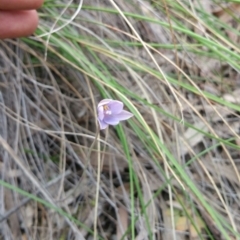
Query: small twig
[[98, 186]]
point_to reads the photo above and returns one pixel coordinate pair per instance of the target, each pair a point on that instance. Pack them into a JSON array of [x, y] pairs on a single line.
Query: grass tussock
[[171, 172]]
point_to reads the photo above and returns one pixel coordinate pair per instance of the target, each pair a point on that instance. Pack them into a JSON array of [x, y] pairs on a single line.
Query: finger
[[20, 4], [17, 23]]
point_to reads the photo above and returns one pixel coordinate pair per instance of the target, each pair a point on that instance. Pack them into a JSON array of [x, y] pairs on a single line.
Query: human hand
[[18, 18]]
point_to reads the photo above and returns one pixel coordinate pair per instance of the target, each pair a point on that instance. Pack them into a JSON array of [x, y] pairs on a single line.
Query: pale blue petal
[[115, 106], [124, 115], [111, 120], [104, 102], [100, 113], [102, 124]]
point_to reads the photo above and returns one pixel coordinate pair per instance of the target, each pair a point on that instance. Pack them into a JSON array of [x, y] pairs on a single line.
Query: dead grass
[[47, 128]]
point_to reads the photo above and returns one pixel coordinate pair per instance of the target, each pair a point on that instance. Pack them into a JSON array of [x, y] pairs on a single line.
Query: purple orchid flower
[[110, 112]]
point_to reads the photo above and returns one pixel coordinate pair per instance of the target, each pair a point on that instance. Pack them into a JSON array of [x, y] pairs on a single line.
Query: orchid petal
[[104, 102], [111, 119], [102, 124], [123, 115], [115, 106], [100, 113]]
